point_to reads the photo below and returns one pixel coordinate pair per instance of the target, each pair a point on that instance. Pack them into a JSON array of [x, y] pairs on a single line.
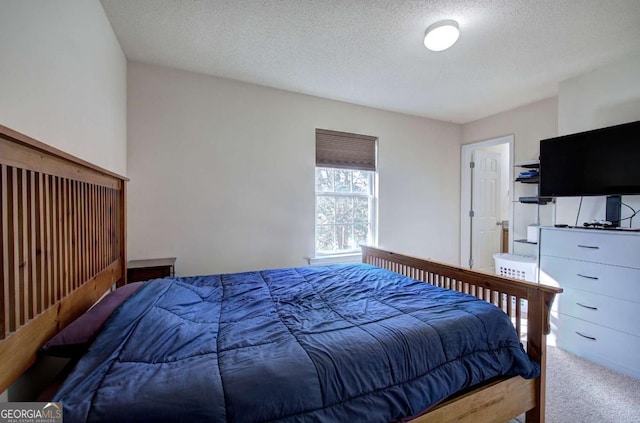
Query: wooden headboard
[[63, 225]]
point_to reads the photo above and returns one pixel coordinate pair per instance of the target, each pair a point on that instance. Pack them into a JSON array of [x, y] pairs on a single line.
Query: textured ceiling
[[370, 52]]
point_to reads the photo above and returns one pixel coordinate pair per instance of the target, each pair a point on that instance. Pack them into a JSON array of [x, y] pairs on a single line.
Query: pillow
[[74, 340]]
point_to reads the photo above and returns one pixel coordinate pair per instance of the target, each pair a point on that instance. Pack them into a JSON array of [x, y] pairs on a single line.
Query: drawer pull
[[591, 247], [589, 307], [595, 278], [585, 336]]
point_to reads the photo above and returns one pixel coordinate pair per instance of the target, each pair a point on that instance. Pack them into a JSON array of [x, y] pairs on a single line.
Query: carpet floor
[[581, 391]]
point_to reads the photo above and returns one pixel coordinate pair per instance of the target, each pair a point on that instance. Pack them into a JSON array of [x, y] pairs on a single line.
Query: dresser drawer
[[606, 311], [614, 281], [621, 249], [608, 347]]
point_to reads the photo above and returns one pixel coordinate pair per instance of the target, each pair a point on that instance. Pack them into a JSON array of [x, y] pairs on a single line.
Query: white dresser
[[598, 314]]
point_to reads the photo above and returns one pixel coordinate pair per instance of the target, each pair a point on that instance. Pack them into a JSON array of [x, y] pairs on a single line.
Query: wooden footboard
[[500, 400], [63, 244]]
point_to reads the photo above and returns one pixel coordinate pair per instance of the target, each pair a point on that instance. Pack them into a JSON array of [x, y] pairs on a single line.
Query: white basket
[[516, 266]]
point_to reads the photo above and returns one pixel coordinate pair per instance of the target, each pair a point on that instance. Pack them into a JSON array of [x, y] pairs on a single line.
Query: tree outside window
[[344, 210]]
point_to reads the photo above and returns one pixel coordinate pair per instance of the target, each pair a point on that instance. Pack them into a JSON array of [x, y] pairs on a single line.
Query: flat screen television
[[604, 161]]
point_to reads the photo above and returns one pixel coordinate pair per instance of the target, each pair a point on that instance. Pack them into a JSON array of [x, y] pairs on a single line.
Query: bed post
[[538, 327], [122, 238]]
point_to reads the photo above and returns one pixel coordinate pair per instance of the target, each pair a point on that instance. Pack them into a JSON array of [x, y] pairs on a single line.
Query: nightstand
[[143, 270]]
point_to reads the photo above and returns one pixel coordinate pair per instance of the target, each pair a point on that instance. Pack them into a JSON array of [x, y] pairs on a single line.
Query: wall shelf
[[530, 180], [528, 164], [526, 193], [524, 241], [535, 200]]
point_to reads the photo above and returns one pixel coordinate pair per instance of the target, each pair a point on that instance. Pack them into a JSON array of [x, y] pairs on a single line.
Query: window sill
[[334, 259]]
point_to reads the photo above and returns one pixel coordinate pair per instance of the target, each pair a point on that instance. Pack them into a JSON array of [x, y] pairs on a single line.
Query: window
[[345, 192], [344, 210]]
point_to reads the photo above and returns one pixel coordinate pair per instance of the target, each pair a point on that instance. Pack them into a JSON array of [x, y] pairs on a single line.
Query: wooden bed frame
[[63, 224]]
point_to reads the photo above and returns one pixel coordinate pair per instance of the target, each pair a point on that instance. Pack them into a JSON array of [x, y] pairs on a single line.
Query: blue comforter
[[341, 343]]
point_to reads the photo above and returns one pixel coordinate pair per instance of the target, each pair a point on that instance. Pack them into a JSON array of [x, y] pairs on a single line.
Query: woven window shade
[[344, 150]]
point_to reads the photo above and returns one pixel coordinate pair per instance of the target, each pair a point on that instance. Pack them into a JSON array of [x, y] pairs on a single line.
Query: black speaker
[[614, 210]]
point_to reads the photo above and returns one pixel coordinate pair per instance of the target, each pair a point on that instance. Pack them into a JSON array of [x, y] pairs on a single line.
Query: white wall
[[63, 78], [222, 173], [529, 124], [604, 97]]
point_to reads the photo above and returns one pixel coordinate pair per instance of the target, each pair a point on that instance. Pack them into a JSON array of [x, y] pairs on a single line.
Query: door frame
[[465, 191]]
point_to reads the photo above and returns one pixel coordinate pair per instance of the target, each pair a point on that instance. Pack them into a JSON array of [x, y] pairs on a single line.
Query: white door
[[486, 227]]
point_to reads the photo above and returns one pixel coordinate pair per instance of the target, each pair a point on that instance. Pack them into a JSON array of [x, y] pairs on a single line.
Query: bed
[[53, 272]]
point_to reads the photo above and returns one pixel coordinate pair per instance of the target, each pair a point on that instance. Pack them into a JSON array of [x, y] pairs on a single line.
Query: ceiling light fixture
[[441, 35]]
